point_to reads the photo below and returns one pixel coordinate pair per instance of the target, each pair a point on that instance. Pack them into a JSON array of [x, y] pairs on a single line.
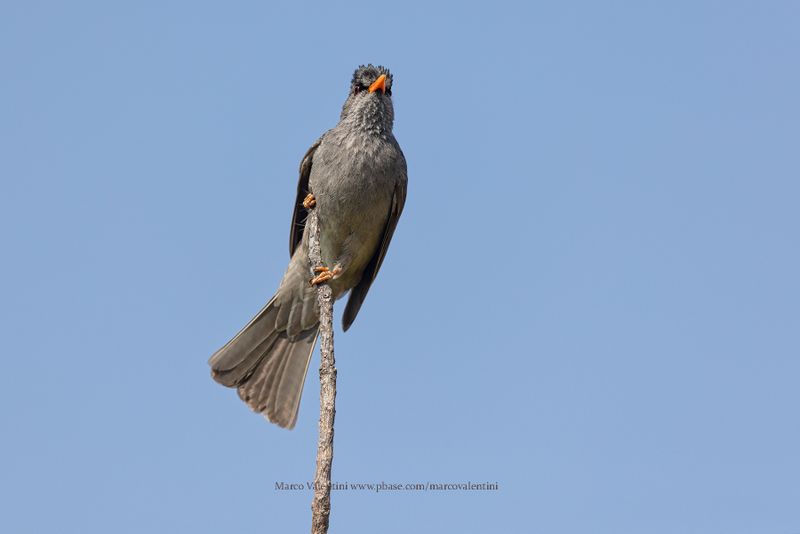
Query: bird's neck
[[368, 120]]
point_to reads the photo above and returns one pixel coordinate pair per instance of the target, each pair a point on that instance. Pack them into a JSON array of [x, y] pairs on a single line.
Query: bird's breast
[[353, 182]]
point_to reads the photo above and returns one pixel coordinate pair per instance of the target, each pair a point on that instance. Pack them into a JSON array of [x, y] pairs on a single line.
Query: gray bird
[[355, 175]]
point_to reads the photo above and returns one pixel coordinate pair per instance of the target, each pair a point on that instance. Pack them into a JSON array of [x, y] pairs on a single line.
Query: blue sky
[[591, 298]]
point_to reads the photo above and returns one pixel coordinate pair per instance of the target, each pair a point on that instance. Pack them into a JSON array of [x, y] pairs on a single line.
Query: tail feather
[[244, 367], [273, 377], [290, 383], [266, 365], [238, 349]]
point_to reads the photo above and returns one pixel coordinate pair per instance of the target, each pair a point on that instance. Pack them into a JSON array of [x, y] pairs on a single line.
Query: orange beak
[[380, 83]]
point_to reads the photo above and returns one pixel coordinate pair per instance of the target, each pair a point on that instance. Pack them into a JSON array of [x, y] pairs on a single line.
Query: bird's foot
[[324, 275], [309, 202]]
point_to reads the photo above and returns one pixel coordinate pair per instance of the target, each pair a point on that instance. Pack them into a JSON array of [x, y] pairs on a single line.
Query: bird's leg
[[325, 274], [309, 202]]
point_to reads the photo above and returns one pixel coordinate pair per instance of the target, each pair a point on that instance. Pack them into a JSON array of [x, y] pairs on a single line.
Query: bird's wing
[[359, 293], [299, 213]]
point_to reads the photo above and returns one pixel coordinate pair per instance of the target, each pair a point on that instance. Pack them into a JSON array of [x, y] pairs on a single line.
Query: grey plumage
[[357, 174]]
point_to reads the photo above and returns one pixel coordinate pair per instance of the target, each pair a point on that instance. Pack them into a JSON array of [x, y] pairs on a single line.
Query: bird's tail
[[267, 366]]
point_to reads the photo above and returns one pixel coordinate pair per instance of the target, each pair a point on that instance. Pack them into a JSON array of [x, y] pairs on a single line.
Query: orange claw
[[309, 202], [321, 278], [325, 274]]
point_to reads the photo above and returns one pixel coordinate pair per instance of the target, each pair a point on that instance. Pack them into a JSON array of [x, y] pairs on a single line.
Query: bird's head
[[369, 104]]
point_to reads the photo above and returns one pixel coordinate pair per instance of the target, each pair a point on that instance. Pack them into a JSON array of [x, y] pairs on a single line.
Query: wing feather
[[299, 213], [359, 293]]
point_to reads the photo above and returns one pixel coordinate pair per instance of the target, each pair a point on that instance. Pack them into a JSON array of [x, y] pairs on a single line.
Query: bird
[[355, 177]]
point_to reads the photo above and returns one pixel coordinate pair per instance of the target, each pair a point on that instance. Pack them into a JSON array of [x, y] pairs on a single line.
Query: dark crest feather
[[366, 74]]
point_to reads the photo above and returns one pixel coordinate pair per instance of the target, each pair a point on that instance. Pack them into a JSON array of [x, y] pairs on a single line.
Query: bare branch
[[321, 505]]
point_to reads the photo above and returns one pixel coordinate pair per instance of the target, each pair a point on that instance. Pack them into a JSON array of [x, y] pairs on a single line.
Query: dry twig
[[321, 505]]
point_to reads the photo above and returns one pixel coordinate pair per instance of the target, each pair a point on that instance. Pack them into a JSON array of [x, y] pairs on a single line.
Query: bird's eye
[[357, 89]]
